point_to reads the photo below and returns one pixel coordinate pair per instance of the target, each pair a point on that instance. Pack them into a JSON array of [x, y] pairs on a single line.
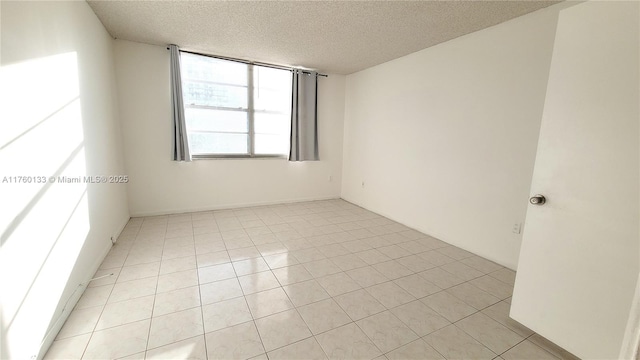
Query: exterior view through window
[[235, 109]]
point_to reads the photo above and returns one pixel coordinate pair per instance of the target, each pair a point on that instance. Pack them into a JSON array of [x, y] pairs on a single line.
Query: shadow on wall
[[44, 218]]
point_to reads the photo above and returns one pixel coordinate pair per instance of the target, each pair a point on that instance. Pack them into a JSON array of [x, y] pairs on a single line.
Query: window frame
[[250, 110]]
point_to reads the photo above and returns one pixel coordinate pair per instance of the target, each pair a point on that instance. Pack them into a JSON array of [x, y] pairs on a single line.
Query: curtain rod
[[273, 66]]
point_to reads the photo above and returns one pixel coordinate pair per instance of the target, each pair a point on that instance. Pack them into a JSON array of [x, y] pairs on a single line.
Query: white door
[[580, 252]]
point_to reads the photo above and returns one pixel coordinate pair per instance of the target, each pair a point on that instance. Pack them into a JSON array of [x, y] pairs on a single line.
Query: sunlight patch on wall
[[44, 219]]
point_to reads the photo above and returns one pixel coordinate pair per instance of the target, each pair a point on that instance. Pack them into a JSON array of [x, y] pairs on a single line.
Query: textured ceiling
[[332, 36]]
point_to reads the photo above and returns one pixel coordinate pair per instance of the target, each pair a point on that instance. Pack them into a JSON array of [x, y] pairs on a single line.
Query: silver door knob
[[537, 199]]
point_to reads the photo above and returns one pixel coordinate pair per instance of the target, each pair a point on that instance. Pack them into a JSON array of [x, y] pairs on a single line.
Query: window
[[235, 109]]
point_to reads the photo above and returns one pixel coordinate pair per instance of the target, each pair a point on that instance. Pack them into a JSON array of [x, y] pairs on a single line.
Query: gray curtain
[[180, 138], [304, 116]]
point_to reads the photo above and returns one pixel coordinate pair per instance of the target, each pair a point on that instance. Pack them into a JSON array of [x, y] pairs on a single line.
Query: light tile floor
[[314, 280]]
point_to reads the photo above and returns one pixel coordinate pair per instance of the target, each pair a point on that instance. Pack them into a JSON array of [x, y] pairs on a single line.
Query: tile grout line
[[156, 291], [204, 330]]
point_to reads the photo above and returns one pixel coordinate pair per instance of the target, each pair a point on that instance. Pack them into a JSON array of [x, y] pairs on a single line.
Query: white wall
[[58, 118], [445, 138], [159, 185]]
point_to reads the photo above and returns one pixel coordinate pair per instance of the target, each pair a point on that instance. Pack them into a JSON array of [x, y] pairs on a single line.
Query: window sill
[[240, 157]]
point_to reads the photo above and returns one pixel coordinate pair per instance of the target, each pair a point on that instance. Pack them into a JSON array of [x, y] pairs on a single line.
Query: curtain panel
[[304, 116]]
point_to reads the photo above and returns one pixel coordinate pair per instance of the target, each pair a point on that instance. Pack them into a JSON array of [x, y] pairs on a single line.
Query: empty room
[[272, 180]]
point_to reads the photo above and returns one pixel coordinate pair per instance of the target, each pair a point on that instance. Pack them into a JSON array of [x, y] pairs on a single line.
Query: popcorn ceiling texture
[[331, 36]]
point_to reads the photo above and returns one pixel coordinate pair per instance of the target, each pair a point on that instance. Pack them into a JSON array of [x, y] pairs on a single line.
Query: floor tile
[[321, 268], [133, 289], [213, 258], [118, 341], [505, 275], [307, 349], [392, 269], [308, 255], [416, 350], [500, 313], [417, 285], [80, 321], [455, 252], [272, 249], [177, 264], [359, 304], [136, 356], [94, 296], [389, 294], [454, 343], [436, 258], [415, 247], [177, 280], [415, 263], [282, 329], [347, 342], [142, 258], [68, 348], [124, 312], [473, 296], [243, 253], [323, 315], [189, 349], [493, 286], [420, 318], [527, 350], [220, 290], [338, 284], [250, 266], [461, 270], [441, 278], [176, 300], [176, 326], [386, 331], [366, 276], [489, 332], [215, 273], [237, 342], [268, 302], [141, 271], [394, 251], [279, 260], [113, 261], [178, 242], [291, 274], [258, 282], [372, 256], [225, 313], [551, 347], [306, 292], [333, 250], [348, 262], [480, 264], [176, 252], [447, 305], [361, 233], [207, 246]]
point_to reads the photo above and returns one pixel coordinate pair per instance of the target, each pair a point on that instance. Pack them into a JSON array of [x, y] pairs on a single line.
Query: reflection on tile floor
[[314, 280]]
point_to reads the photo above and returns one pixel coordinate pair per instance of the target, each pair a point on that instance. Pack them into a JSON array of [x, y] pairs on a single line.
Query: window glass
[[227, 114]]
